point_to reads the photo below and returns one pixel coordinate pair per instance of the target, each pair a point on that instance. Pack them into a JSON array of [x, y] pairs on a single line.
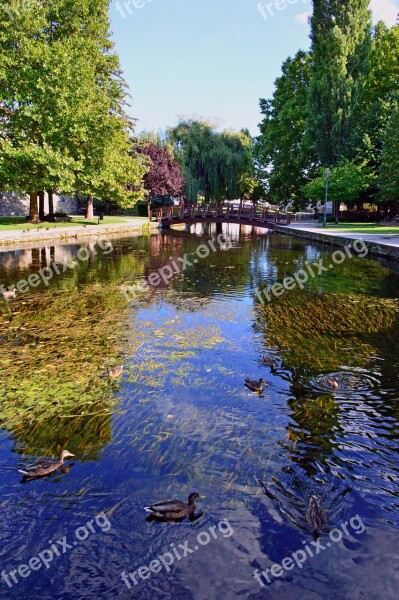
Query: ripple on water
[[354, 381]]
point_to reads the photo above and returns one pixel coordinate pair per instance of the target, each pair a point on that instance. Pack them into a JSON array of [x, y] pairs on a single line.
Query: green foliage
[[62, 95], [341, 37], [283, 148], [347, 182], [389, 178], [212, 162]]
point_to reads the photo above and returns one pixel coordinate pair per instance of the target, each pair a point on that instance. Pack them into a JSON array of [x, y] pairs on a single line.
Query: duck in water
[[333, 382], [173, 509], [316, 516], [42, 468], [115, 373], [255, 386]]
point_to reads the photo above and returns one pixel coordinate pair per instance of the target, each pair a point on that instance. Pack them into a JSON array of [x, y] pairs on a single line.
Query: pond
[[180, 420]]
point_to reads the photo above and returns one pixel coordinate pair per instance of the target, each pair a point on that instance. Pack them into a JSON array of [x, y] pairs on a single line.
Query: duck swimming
[[255, 386], [316, 516], [268, 361], [333, 382], [174, 509], [115, 372], [45, 467]]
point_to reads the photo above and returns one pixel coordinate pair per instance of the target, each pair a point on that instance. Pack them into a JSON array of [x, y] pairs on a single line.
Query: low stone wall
[[17, 205], [388, 252]]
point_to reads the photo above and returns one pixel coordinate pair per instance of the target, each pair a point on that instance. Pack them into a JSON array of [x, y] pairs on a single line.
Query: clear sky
[[213, 58]]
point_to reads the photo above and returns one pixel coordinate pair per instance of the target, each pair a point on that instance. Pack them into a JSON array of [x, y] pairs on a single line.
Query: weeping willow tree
[[213, 163]]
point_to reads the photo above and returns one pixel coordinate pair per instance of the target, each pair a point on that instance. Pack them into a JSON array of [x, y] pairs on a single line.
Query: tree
[[283, 148], [347, 182], [212, 162], [389, 178], [63, 125], [380, 98], [341, 36], [164, 177]]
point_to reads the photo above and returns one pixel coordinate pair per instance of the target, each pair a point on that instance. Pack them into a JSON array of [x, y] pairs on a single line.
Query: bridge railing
[[230, 212]]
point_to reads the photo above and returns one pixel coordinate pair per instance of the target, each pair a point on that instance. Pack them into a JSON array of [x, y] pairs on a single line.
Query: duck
[[255, 386], [316, 516], [8, 294], [268, 361], [174, 509], [333, 382], [115, 372], [45, 467]]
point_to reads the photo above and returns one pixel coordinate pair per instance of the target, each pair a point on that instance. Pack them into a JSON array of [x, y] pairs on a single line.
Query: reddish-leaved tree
[[164, 177]]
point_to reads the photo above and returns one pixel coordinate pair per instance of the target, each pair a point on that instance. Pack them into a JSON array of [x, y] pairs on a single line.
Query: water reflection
[[180, 417]]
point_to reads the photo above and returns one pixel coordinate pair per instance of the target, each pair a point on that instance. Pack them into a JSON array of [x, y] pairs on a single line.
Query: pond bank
[[18, 237], [385, 246]]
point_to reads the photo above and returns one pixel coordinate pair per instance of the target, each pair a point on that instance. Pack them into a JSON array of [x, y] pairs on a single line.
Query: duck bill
[[202, 497]]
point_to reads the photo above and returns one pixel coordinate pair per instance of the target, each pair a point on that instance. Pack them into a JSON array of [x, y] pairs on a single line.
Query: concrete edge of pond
[[375, 248], [17, 237]]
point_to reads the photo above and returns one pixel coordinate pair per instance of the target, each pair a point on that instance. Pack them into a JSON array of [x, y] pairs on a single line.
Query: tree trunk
[[33, 210], [89, 209], [50, 203], [41, 205], [336, 206]]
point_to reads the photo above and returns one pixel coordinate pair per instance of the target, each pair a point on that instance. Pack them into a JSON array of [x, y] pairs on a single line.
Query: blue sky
[[213, 58]]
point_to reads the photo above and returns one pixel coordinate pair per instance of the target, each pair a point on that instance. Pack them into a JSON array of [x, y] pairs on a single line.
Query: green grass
[[19, 223], [369, 228]]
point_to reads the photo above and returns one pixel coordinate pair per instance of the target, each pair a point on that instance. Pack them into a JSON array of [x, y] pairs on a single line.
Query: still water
[[180, 420]]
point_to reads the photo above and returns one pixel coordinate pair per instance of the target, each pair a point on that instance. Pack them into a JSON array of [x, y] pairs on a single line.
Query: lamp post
[[328, 173]]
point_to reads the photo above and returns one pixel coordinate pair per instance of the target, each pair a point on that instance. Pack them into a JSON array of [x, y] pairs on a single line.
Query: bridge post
[[240, 209]]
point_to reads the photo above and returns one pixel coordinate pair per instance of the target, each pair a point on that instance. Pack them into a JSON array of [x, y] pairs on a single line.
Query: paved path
[[388, 239], [17, 236]]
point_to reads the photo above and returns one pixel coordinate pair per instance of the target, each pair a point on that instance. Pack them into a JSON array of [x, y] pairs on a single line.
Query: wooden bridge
[[219, 213]]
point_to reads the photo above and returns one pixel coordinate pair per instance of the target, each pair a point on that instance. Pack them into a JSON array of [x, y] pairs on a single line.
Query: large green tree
[[63, 125], [389, 177], [283, 148], [341, 37]]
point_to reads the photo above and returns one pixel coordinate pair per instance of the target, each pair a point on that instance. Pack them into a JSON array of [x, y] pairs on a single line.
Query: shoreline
[[377, 244], [8, 239]]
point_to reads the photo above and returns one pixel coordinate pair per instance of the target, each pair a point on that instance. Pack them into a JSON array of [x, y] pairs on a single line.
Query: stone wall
[[374, 249], [17, 205]]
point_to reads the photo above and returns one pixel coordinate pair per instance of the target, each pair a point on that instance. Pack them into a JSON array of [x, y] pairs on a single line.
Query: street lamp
[[328, 173]]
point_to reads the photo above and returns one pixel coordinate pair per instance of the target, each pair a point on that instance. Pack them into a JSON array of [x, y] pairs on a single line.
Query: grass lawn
[[19, 223], [363, 228]]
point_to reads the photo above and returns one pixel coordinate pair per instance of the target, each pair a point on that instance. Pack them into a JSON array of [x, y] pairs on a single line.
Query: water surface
[[180, 419]]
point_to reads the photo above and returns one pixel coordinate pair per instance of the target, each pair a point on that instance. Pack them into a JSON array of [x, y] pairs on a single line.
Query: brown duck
[[45, 467], [115, 372], [316, 516], [333, 382], [255, 386], [174, 509]]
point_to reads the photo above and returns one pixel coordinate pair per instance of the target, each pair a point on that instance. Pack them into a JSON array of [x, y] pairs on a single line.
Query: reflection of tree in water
[[86, 435], [323, 333], [56, 346], [355, 336], [313, 431]]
